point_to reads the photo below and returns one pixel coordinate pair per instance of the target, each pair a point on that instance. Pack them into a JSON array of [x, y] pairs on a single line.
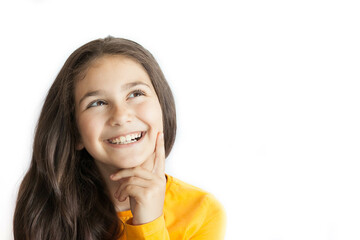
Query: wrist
[[135, 221]]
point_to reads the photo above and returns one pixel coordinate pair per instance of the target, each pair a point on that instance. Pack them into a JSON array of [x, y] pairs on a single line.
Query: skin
[[125, 102]]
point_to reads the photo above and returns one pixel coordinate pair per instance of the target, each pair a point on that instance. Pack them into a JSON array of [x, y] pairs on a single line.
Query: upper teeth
[[125, 139]]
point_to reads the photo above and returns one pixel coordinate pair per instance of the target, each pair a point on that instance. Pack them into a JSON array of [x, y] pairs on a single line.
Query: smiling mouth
[[130, 138]]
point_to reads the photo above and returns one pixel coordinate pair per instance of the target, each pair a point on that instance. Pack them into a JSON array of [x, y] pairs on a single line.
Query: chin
[[130, 163]]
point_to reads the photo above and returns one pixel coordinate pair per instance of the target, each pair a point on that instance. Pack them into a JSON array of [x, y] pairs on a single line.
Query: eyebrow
[[124, 87], [133, 84]]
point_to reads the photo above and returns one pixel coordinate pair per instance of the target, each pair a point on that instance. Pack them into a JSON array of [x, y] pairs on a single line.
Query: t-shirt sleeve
[[213, 225], [149, 231]]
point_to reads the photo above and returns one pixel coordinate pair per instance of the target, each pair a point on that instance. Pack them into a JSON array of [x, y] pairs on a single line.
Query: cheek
[[87, 128], [152, 114]]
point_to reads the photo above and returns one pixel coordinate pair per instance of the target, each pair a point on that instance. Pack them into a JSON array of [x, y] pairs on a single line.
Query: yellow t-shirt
[[189, 213]]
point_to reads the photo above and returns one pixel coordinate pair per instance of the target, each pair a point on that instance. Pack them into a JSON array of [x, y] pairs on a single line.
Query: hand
[[146, 189]]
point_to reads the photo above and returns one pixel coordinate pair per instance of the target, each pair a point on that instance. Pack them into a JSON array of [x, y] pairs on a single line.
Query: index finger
[[159, 161]]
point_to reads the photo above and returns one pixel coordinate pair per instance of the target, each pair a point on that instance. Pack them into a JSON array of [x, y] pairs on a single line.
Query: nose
[[120, 115]]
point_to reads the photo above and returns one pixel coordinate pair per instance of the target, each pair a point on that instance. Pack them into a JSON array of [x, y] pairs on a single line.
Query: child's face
[[115, 103]]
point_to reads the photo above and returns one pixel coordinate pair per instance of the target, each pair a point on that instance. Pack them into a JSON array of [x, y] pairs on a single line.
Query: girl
[[97, 169]]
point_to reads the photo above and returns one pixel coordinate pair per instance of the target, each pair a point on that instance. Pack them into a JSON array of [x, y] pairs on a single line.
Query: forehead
[[118, 66], [109, 72]]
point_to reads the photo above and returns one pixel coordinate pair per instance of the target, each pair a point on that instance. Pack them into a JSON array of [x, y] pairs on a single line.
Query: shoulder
[[193, 211], [175, 185], [192, 198]]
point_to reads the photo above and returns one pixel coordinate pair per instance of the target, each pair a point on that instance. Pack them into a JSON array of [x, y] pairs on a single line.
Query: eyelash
[[94, 102], [138, 91]]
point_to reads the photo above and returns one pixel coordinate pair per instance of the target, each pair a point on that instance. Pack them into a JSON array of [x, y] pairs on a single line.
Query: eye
[[136, 93], [96, 103]]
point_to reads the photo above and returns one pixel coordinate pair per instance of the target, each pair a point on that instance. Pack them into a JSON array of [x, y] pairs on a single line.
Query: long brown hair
[[63, 195]]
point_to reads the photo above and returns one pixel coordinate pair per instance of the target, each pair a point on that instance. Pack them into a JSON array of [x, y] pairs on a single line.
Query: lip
[[126, 145]]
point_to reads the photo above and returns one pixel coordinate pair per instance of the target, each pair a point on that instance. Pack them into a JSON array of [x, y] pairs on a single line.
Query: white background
[[267, 96]]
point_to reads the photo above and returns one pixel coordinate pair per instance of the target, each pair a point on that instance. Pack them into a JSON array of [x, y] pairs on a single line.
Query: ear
[[79, 146]]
